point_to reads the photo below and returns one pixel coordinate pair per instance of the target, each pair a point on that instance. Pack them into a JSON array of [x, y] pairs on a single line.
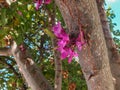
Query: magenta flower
[[80, 41], [22, 48], [39, 2], [57, 29], [63, 41], [20, 13], [47, 1], [79, 45], [64, 36], [71, 55], [64, 53], [59, 32], [67, 53]]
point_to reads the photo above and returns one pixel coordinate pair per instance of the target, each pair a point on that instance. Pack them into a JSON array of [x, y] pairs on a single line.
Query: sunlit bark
[[27, 67], [93, 57], [113, 53]]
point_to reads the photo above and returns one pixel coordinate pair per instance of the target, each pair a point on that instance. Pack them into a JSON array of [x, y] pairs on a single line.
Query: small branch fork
[[27, 67]]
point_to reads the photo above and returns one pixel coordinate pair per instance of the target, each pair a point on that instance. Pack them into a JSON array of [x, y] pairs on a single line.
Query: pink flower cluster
[[64, 43], [39, 2]]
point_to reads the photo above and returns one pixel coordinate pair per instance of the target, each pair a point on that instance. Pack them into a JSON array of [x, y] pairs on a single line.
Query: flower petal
[[57, 29], [38, 3], [61, 43], [79, 45], [71, 55], [47, 1]]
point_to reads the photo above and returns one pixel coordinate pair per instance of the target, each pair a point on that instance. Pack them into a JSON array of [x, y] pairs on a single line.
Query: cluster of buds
[[65, 44]]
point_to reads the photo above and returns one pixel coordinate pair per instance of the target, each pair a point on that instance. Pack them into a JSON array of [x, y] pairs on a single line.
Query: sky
[[115, 5]]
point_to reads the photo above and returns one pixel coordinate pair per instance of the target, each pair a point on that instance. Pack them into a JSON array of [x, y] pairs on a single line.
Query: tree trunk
[[27, 67], [93, 57], [113, 53]]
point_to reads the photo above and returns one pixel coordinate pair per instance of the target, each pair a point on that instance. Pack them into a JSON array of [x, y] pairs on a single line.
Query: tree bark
[[57, 59], [94, 56], [58, 67], [113, 53], [27, 67]]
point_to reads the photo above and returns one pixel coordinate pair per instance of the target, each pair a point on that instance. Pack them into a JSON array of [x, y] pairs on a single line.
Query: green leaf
[[3, 17], [49, 33]]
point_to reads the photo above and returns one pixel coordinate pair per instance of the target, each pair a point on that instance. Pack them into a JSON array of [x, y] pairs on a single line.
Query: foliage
[[22, 22], [116, 33]]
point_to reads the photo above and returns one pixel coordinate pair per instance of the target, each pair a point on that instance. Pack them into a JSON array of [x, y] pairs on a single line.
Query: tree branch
[[57, 59], [28, 68], [6, 51], [114, 56], [58, 68]]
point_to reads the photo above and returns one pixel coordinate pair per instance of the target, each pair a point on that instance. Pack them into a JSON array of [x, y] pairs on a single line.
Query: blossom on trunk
[[65, 45], [80, 41]]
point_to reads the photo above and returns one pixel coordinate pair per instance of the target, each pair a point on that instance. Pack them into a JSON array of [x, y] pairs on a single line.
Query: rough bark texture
[[114, 56], [58, 68], [93, 57], [57, 59], [27, 67]]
